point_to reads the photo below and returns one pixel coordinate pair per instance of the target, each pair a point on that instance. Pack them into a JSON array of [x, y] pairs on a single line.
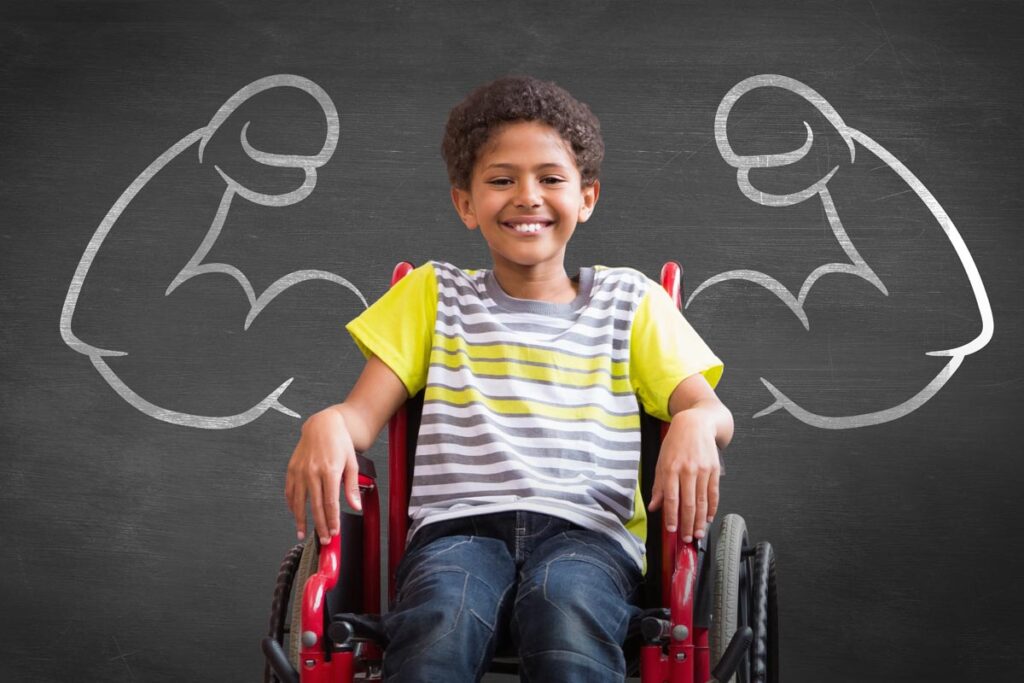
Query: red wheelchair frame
[[675, 640]]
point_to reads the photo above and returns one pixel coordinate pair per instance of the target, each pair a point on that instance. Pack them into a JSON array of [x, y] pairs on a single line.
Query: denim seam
[[458, 615], [534, 533], [488, 652], [403, 587], [520, 531], [557, 606], [623, 583]]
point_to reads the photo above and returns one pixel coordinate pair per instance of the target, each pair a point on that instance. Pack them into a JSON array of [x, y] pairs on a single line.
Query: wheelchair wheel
[[732, 594], [765, 647], [280, 605], [308, 566]]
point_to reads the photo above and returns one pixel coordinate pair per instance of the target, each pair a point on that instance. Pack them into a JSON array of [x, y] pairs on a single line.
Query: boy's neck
[[553, 286]]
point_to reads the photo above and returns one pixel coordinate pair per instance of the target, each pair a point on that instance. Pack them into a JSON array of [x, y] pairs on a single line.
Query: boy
[[526, 517]]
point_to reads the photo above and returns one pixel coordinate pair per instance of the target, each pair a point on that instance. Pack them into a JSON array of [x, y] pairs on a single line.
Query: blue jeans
[[561, 595]]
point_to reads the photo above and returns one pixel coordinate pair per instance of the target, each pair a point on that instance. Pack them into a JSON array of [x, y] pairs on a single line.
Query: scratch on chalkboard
[[123, 656], [196, 265], [894, 194], [895, 53], [857, 265]]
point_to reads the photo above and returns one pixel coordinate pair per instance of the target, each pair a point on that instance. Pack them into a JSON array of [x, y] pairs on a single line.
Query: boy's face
[[526, 173]]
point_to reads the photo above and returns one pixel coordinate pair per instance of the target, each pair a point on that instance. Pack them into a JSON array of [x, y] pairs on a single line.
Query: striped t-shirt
[[533, 405]]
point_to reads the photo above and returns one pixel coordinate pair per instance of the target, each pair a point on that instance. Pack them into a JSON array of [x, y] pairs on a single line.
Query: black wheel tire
[[279, 606], [733, 594], [765, 647], [308, 565]]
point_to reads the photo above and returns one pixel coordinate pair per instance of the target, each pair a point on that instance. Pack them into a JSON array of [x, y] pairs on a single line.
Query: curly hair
[[519, 98]]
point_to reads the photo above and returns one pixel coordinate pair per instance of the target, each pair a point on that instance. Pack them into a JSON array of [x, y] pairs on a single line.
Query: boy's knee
[[449, 609], [452, 584], [566, 629], [570, 601]]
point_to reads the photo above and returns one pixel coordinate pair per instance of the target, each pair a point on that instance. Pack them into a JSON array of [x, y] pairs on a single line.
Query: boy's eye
[[550, 180]]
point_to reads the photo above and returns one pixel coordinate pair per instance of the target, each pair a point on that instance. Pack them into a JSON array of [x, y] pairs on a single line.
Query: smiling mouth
[[527, 228]]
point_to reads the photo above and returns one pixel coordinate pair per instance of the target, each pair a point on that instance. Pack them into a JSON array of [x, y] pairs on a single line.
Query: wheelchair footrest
[[347, 627], [734, 652], [653, 624], [279, 661]]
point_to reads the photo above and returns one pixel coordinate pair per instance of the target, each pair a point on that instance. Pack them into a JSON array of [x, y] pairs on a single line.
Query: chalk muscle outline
[[857, 265], [195, 266]]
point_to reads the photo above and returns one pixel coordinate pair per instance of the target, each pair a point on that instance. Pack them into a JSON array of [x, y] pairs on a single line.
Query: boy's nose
[[528, 194]]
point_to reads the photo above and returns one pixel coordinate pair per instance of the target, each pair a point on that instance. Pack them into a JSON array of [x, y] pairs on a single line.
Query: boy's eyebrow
[[535, 168]]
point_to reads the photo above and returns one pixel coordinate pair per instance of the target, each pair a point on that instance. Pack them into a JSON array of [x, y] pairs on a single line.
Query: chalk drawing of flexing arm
[[857, 266], [195, 266]]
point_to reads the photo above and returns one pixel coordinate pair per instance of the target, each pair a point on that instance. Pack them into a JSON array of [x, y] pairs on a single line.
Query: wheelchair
[[704, 605]]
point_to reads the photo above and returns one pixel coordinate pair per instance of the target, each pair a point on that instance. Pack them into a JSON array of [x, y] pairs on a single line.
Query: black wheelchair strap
[[366, 466]]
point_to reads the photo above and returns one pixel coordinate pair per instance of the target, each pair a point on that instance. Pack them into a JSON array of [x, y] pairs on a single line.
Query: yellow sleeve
[[399, 327], [665, 350]]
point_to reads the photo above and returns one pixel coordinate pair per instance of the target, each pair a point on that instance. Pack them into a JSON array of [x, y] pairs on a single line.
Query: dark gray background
[[136, 550]]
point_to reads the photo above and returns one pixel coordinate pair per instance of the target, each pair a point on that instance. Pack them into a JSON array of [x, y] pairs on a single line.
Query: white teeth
[[528, 227]]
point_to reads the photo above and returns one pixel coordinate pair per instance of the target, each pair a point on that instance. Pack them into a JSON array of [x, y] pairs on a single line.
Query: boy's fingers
[[655, 494], [332, 492], [687, 505], [701, 511], [297, 504], [713, 495], [352, 484], [670, 503], [316, 507]]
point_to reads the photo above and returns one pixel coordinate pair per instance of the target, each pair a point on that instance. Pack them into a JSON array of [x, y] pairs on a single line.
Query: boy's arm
[[694, 393], [688, 470], [376, 396], [330, 439]]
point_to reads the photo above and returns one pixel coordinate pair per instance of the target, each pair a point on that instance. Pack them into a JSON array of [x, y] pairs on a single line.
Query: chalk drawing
[[856, 265], [195, 265]]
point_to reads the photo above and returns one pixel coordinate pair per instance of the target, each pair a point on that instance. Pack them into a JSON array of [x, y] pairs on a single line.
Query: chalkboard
[[197, 196]]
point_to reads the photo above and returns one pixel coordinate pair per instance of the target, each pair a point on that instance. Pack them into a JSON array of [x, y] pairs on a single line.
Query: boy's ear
[[464, 207], [590, 195]]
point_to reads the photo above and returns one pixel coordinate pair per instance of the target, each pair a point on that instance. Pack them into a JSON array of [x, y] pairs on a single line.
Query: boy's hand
[[322, 457], [686, 477]]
